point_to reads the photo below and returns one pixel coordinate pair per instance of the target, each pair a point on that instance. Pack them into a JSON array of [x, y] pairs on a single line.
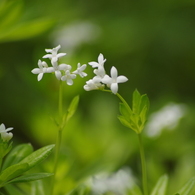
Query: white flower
[[117, 183], [100, 72], [112, 82], [100, 62], [93, 84], [80, 70], [68, 77], [41, 70], [54, 54], [3, 132], [58, 68]]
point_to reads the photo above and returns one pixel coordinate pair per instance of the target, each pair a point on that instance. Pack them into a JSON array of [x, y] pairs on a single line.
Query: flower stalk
[[59, 136], [143, 165]]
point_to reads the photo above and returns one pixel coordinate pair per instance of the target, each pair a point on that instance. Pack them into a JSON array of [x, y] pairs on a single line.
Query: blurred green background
[[150, 42]]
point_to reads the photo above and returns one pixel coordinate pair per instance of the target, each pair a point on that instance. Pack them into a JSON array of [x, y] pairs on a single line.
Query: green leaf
[[38, 156], [72, 107], [9, 14], [30, 177], [135, 190], [129, 124], [5, 148], [144, 102], [124, 110], [17, 154], [136, 102], [12, 172], [26, 164], [187, 187], [14, 190], [26, 30], [161, 185], [38, 188]]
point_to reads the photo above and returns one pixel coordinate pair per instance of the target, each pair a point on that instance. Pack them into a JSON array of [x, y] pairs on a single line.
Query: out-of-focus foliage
[[15, 26], [150, 42]]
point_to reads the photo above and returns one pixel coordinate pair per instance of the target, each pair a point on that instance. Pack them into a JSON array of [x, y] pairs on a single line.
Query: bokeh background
[[151, 42]]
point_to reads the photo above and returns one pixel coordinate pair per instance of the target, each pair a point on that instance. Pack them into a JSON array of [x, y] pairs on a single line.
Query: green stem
[[60, 103], [0, 164], [120, 97], [143, 164], [59, 137], [141, 148]]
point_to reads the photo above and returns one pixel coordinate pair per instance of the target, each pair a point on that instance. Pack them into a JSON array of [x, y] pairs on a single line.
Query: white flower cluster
[[62, 71], [5, 136], [101, 79], [117, 183]]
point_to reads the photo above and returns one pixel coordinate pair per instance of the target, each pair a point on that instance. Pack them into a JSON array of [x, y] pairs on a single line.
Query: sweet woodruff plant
[[15, 163], [133, 117]]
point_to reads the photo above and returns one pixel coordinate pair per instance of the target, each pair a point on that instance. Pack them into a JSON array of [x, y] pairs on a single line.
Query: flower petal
[[93, 64], [121, 79], [58, 74], [114, 87], [114, 72], [50, 69], [40, 76], [36, 71], [69, 81], [107, 80]]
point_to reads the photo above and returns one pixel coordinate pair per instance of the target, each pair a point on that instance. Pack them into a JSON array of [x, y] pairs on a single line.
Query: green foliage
[[14, 27], [72, 108], [135, 118], [16, 165], [135, 190], [161, 185], [17, 154], [187, 188]]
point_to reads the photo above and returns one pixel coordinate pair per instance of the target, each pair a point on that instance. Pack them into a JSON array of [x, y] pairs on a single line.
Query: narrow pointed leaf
[[187, 187], [126, 112], [14, 190], [144, 102], [38, 188], [161, 185], [129, 124], [135, 190], [72, 108], [143, 115], [12, 172], [17, 154], [38, 156], [136, 102], [30, 177]]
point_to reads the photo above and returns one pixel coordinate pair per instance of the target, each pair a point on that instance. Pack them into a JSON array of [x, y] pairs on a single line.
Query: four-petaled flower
[[3, 132], [41, 70], [54, 56], [100, 62], [68, 77], [112, 82], [58, 68], [80, 70]]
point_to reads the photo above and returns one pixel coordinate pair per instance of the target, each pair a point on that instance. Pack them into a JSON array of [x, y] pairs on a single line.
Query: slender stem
[[60, 103], [120, 97], [59, 137], [141, 148], [143, 164], [0, 164], [57, 151]]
